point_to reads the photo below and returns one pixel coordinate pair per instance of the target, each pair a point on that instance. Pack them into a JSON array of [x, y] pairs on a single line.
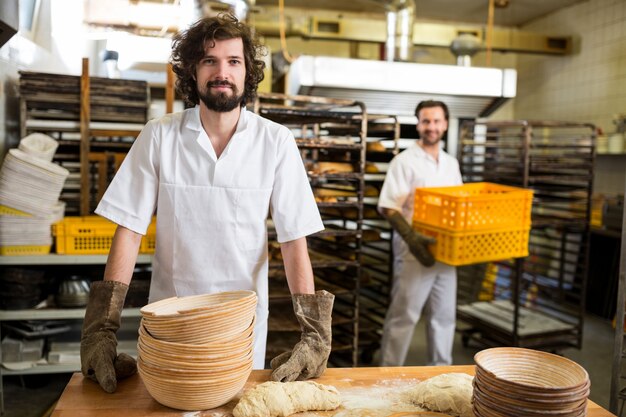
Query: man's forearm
[[417, 242], [298, 266], [122, 256], [396, 220]]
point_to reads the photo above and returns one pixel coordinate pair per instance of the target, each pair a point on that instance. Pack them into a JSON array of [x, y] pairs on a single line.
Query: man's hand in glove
[[98, 355], [309, 357], [417, 243]]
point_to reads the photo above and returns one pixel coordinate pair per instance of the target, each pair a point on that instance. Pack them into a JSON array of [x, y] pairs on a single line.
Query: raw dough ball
[[280, 399], [447, 393]]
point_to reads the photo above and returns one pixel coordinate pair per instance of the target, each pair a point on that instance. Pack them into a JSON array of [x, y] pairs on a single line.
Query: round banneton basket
[[518, 381], [175, 307], [193, 394], [196, 353], [200, 319]]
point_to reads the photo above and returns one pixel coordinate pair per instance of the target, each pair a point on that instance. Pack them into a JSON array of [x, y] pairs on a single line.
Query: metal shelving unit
[[618, 373], [383, 133], [70, 314], [538, 301], [54, 259], [331, 136], [95, 120]]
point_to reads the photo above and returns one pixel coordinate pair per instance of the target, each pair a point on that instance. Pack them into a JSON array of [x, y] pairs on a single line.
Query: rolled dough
[[280, 399]]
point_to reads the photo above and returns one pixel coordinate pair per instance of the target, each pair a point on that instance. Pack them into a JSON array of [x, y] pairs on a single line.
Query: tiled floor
[[34, 396]]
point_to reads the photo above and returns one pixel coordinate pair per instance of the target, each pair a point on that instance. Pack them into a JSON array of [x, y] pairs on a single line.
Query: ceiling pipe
[[239, 8], [399, 40]]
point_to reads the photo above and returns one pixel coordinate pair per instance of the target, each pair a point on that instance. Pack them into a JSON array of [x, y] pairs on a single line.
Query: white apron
[[211, 212], [220, 244]]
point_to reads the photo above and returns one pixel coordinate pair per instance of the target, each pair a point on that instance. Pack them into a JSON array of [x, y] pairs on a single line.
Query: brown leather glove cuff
[[314, 313], [317, 307], [104, 310], [417, 242]]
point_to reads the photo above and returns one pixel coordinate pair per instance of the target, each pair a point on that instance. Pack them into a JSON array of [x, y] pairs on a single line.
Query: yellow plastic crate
[[476, 206], [92, 235], [24, 250], [465, 248], [87, 235], [148, 242], [9, 211]]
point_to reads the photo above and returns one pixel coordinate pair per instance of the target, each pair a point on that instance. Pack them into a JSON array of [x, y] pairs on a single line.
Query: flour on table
[[378, 400]]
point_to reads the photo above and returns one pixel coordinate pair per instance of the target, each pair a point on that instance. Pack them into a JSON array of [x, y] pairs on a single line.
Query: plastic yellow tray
[[93, 235], [465, 248], [476, 206]]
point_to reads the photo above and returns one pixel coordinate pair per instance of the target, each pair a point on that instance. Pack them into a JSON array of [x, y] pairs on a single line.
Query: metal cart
[[537, 301]]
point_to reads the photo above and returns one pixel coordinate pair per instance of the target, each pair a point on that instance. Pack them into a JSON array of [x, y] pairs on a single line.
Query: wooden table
[[83, 397]]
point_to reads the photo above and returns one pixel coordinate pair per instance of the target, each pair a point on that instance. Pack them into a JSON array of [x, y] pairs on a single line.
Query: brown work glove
[[417, 242], [98, 355], [309, 356]]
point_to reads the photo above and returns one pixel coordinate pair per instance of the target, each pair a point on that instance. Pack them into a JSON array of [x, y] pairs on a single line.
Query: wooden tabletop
[[358, 387]]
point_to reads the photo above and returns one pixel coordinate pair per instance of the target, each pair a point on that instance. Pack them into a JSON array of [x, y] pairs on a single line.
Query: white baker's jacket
[[410, 169], [211, 220]]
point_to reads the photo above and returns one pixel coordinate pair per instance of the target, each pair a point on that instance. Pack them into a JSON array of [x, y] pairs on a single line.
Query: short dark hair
[[431, 103], [188, 50]]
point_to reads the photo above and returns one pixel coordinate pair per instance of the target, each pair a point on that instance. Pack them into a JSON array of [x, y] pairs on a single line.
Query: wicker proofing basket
[[526, 382]]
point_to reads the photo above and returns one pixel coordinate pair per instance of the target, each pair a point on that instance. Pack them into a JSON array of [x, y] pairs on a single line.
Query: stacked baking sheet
[[195, 353], [58, 96], [30, 185]]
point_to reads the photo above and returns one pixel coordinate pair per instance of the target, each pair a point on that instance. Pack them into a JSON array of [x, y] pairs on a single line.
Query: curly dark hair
[[188, 50], [432, 103]]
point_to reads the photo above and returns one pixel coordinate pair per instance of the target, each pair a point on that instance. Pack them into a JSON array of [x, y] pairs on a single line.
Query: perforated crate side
[[477, 206], [466, 248]]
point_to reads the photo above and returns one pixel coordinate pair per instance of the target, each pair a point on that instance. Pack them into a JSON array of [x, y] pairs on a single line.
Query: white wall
[[587, 86]]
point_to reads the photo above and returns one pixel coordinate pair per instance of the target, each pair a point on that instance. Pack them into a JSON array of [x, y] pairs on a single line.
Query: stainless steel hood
[[396, 87]]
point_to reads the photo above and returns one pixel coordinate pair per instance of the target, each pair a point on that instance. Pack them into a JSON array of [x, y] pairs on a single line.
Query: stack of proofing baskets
[[479, 222], [196, 352], [513, 381]]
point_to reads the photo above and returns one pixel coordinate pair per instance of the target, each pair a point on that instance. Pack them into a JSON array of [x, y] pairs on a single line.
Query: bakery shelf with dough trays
[[278, 291], [293, 109], [556, 161], [341, 176], [323, 143], [320, 260], [330, 135], [330, 230], [285, 341], [283, 321]]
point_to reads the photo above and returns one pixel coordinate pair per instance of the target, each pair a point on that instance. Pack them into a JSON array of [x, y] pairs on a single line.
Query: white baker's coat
[[211, 220], [414, 168]]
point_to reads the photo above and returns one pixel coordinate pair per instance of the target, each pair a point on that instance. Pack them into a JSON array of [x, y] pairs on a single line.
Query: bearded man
[[214, 172], [419, 282]]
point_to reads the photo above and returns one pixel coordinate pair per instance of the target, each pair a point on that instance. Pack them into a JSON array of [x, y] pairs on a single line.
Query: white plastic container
[[616, 143], [39, 145]]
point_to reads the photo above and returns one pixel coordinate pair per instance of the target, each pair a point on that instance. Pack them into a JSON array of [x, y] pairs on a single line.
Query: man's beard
[[220, 102], [432, 140]]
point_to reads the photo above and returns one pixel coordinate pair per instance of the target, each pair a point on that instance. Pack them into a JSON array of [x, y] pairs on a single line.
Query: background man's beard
[[431, 141], [221, 102]]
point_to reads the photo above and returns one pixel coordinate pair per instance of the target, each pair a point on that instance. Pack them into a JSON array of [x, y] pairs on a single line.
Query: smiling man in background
[[419, 282]]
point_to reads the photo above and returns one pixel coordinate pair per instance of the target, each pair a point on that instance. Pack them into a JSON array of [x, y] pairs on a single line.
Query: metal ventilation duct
[[396, 87], [399, 42]]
